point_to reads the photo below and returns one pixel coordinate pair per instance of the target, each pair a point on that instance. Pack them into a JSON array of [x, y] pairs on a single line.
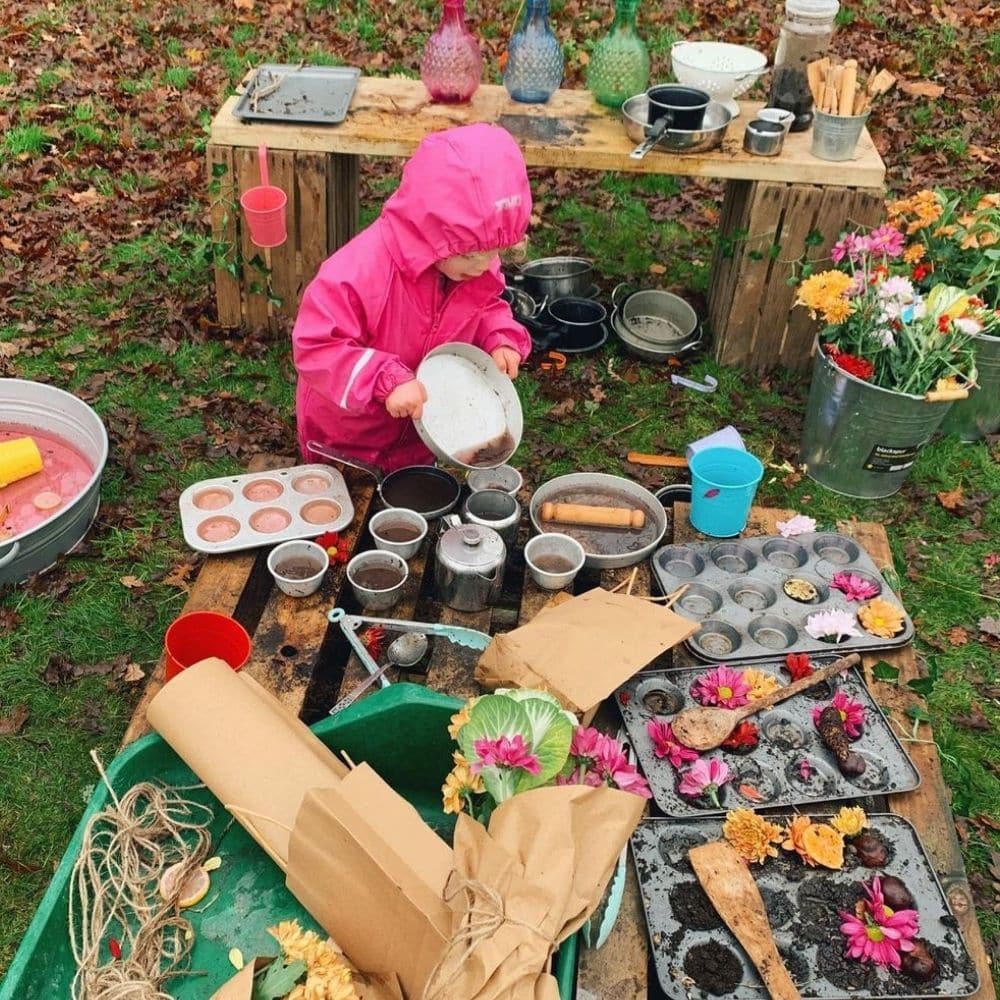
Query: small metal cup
[[377, 600], [497, 510], [554, 544], [763, 138], [503, 477], [398, 515]]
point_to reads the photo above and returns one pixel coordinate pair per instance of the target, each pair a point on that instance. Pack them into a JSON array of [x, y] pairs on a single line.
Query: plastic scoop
[[264, 208], [19, 458]]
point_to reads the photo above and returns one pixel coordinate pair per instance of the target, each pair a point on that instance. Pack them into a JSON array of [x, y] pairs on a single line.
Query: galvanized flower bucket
[[859, 439], [979, 415]]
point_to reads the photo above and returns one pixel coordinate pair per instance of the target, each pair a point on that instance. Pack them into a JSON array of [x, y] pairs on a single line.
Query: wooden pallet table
[[771, 204], [307, 665]]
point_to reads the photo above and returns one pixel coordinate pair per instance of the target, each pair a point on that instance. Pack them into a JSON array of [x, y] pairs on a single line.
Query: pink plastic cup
[[264, 208]]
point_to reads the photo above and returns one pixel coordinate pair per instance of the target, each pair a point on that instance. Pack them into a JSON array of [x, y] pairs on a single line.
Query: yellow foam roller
[[19, 458]]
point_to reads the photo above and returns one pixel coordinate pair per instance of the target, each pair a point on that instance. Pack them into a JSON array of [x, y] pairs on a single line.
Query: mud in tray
[[789, 766], [283, 92], [263, 508], [737, 591], [696, 956]]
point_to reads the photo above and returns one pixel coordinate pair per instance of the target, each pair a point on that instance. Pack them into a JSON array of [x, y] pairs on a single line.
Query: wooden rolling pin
[[598, 517], [670, 461]]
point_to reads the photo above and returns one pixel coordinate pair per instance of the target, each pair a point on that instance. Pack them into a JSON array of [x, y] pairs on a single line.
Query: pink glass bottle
[[452, 65]]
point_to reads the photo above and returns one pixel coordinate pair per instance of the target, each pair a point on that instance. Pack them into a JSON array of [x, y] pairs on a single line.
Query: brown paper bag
[[533, 879], [583, 649], [240, 987], [254, 755], [368, 868]]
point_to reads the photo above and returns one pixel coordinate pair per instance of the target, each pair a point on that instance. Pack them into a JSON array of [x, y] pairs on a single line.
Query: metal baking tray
[[802, 906], [313, 95], [301, 502], [735, 591], [771, 774]]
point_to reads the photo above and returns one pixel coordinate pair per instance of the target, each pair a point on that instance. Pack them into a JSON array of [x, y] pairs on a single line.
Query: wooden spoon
[[705, 728], [729, 885]]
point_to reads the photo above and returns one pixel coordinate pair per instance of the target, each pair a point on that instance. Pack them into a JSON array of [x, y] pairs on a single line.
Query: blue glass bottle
[[535, 59]]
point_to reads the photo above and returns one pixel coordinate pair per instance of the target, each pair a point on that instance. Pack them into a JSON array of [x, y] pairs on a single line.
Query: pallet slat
[[284, 259], [224, 212], [255, 269], [312, 225]]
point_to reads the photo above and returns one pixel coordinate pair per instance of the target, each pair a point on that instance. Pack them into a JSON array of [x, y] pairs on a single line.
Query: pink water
[[65, 472]]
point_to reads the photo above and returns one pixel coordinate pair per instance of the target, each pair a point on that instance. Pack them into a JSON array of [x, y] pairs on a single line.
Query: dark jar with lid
[[805, 36]]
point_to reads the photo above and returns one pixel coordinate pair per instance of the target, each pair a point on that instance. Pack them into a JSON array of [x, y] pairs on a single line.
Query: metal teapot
[[469, 566]]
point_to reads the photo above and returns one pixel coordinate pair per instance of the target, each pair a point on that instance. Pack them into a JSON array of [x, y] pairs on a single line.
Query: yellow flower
[[989, 201], [826, 292], [947, 384], [761, 683], [850, 821], [815, 843], [946, 230], [914, 253], [970, 242], [751, 835], [881, 617], [460, 718], [459, 782], [327, 975], [925, 207]]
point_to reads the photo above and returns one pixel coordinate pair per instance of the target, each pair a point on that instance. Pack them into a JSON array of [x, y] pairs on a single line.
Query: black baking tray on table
[[307, 95], [803, 907]]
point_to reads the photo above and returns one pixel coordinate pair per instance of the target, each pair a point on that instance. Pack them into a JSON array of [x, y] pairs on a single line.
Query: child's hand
[[507, 360], [407, 400]]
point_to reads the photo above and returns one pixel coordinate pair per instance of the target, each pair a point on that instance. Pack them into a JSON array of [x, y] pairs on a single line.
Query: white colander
[[724, 70]]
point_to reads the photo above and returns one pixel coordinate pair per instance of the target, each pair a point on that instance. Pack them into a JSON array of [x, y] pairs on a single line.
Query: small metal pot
[[497, 510], [580, 322], [522, 305], [469, 567], [660, 319], [556, 277], [763, 138]]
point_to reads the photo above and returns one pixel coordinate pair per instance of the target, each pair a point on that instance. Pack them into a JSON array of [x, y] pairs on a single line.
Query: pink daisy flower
[[705, 778], [665, 744], [877, 934], [722, 686], [854, 587], [505, 751]]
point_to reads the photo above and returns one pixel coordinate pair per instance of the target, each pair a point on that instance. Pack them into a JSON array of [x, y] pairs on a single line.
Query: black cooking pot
[[424, 488], [573, 325]]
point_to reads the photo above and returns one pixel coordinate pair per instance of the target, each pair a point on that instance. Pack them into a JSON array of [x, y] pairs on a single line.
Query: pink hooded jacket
[[375, 309]]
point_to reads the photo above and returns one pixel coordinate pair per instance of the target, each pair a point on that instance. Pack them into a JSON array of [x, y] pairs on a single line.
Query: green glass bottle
[[619, 66]]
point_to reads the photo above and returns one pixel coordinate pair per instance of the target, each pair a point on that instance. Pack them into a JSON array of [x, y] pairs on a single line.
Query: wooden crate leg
[[344, 206], [224, 212], [284, 259], [256, 274]]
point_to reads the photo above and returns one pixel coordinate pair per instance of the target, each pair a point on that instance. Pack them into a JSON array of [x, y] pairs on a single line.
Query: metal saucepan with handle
[[424, 488], [556, 277]]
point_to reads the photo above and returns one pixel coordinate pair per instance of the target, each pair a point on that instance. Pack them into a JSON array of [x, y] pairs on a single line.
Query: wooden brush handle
[[599, 517], [946, 395], [790, 690], [669, 461]]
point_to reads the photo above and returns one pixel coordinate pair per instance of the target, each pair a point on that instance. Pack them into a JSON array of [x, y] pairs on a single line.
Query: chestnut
[[919, 964], [895, 894], [852, 765], [871, 850]]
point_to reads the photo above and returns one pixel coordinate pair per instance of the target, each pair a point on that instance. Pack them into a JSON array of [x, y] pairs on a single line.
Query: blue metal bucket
[[723, 484]]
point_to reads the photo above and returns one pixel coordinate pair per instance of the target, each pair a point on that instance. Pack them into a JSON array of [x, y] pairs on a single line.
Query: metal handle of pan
[[651, 140], [614, 294], [355, 463], [11, 555]]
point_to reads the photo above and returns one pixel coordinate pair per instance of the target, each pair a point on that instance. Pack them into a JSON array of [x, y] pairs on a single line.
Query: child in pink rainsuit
[[425, 273]]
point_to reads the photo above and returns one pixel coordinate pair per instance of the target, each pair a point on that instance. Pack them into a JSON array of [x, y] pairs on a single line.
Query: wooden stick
[[669, 461], [631, 582], [676, 595], [815, 73], [848, 85], [946, 395]]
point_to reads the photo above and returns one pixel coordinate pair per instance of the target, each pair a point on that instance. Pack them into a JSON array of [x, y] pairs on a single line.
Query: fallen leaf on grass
[[563, 409], [921, 88], [131, 673], [657, 269], [975, 719], [132, 582], [9, 620], [957, 635], [990, 627], [88, 197], [180, 575], [951, 499], [10, 725], [59, 670], [21, 867]]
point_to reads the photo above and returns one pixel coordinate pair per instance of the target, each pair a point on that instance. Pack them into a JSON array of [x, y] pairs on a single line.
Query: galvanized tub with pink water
[[57, 419]]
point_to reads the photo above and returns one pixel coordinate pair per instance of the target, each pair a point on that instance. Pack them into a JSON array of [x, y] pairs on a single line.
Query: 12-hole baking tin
[[736, 590], [263, 508]]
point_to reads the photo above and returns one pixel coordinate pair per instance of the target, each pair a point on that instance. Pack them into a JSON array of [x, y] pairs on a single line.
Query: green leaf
[[814, 238], [551, 735], [493, 716], [922, 685], [918, 714], [883, 671], [278, 979]]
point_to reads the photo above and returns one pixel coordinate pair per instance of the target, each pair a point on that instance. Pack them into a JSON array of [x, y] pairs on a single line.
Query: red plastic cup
[[264, 208], [200, 634]]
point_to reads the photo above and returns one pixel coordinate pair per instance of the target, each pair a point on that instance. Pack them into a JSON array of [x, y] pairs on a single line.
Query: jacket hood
[[464, 190]]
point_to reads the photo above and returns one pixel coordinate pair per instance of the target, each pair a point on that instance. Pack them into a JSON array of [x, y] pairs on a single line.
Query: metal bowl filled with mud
[[635, 112], [605, 548]]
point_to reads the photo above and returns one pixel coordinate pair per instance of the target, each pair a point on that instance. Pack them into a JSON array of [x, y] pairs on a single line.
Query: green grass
[[130, 297]]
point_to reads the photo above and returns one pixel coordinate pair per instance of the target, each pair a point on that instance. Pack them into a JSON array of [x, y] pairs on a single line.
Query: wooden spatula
[[734, 894], [705, 728]]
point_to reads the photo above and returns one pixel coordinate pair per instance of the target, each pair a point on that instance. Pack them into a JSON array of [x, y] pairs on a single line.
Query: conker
[[919, 964], [871, 850], [852, 765], [895, 894]]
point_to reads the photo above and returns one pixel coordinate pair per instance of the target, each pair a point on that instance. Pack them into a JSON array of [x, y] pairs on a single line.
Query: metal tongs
[[350, 625]]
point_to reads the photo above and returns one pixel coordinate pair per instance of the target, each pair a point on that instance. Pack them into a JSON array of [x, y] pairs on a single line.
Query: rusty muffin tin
[[735, 589], [231, 513]]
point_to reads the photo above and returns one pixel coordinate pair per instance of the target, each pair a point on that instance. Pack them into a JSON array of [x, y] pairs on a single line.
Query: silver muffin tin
[[806, 927], [787, 737], [735, 589], [289, 497]]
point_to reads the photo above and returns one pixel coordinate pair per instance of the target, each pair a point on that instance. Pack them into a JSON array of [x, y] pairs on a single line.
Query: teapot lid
[[472, 547]]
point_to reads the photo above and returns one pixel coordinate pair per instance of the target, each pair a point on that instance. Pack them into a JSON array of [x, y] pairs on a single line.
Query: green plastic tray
[[401, 731]]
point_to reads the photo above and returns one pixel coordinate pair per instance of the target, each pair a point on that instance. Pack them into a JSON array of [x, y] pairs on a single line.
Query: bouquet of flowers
[[950, 244], [518, 739], [881, 329]]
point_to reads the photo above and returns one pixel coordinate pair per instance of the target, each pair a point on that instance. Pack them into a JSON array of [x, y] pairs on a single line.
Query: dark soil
[[778, 906], [714, 967], [692, 908]]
